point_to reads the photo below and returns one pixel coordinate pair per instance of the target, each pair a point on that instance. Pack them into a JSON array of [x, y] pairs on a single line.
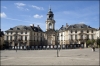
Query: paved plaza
[[49, 57]]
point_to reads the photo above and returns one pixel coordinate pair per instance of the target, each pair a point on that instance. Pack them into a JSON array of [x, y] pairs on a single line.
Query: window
[[7, 37], [71, 31], [25, 38], [10, 37], [25, 32], [15, 37], [71, 37], [75, 31], [92, 36], [21, 32], [92, 31], [34, 38], [41, 39], [87, 36], [41, 34], [34, 33], [75, 36], [87, 31], [21, 37]]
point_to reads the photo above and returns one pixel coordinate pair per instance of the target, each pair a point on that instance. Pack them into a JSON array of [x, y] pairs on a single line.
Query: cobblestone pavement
[[49, 57]]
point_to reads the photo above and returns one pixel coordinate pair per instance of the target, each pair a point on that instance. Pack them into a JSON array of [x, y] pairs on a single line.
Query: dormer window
[[11, 28], [92, 31], [18, 28], [25, 28], [71, 31], [75, 31], [26, 32], [87, 31], [81, 26]]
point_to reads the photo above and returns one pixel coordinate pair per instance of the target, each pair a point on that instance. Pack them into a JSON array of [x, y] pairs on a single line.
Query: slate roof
[[75, 26], [63, 28], [23, 28], [80, 26]]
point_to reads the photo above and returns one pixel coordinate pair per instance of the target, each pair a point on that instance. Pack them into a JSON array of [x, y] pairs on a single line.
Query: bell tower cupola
[[50, 14]]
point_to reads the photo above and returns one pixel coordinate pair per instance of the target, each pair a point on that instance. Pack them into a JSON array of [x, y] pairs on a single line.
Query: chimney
[[62, 25], [32, 25], [38, 26], [67, 25]]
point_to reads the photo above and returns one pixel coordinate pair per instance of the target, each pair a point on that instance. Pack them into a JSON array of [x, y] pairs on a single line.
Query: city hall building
[[33, 36]]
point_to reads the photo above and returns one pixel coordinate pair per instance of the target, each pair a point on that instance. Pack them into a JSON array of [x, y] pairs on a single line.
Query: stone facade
[[76, 34]]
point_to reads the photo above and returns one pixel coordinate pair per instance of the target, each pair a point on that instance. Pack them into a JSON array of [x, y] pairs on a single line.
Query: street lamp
[[61, 40], [57, 45]]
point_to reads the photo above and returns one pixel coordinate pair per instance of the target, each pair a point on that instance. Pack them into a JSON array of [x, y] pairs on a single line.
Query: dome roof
[[50, 12]]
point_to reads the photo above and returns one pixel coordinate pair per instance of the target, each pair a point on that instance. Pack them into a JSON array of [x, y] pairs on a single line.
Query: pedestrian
[[93, 48]]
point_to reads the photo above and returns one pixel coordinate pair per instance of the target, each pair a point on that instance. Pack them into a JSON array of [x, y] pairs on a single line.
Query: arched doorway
[[82, 44]]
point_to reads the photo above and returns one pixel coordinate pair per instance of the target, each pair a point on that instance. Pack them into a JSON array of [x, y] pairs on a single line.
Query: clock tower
[[50, 22], [50, 28]]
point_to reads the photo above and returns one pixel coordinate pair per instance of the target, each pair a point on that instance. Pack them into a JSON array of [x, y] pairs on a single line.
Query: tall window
[[71, 31], [87, 31], [75, 31], [87, 36], [92, 31], [92, 36], [34, 33], [71, 37], [75, 36], [21, 37], [34, 38], [15, 37], [26, 32], [10, 37], [7, 37], [25, 38], [41, 39], [41, 34]]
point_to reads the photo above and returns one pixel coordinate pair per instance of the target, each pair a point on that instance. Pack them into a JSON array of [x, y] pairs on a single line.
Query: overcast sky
[[14, 13]]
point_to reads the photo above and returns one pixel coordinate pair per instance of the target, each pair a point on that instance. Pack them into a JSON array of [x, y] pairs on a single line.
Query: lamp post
[[61, 40], [57, 45]]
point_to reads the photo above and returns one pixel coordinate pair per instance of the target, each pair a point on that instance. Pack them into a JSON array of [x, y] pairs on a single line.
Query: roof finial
[[49, 8]]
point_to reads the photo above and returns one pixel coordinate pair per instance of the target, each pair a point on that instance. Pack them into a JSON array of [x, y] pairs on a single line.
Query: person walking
[[93, 48]]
